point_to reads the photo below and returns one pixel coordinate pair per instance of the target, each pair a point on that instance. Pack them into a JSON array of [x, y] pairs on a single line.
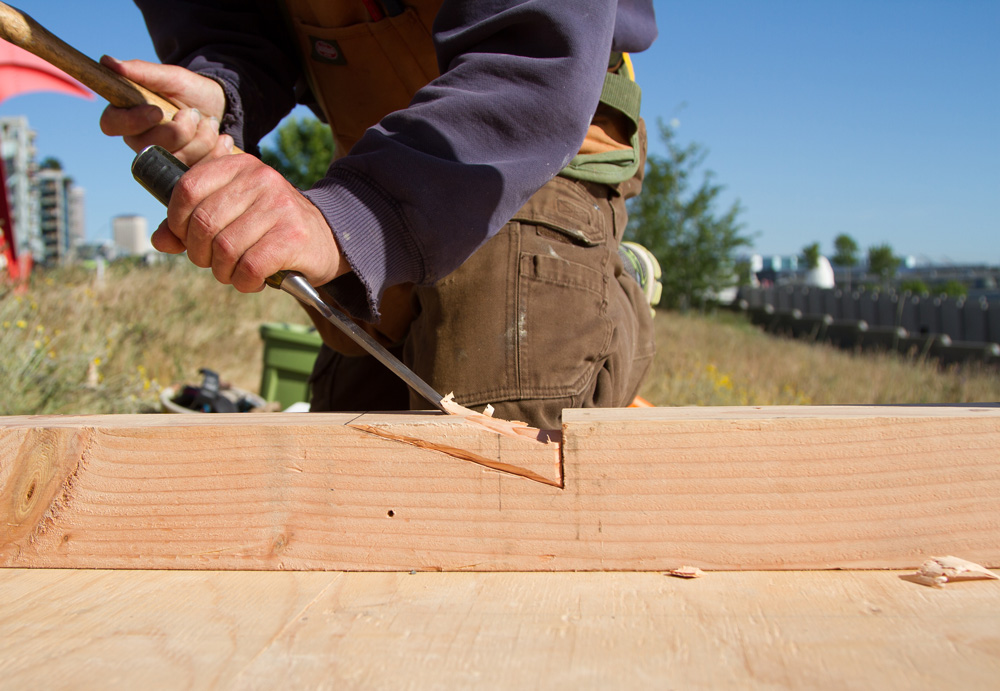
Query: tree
[[883, 263], [954, 289], [304, 151], [845, 254], [50, 163], [914, 286], [675, 219], [845, 251], [744, 273], [810, 256]]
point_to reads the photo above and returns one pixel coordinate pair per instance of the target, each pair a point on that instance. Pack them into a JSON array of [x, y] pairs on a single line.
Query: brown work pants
[[541, 318]]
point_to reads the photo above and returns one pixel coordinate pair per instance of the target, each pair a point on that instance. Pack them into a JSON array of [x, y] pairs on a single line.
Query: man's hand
[[230, 213], [243, 220], [194, 131]]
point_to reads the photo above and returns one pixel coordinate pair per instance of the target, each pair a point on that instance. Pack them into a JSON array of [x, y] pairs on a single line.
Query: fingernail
[[215, 123], [154, 115], [227, 142], [196, 115]]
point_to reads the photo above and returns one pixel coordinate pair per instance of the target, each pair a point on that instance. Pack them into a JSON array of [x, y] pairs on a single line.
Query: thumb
[[164, 240], [160, 79]]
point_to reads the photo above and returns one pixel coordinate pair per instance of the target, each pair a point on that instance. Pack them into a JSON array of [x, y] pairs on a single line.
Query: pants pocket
[[562, 320]]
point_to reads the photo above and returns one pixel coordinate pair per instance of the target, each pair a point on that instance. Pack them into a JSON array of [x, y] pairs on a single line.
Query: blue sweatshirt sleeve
[[428, 185]]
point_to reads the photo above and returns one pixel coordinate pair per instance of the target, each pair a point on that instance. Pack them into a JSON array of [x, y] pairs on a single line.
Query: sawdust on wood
[[937, 571], [686, 572]]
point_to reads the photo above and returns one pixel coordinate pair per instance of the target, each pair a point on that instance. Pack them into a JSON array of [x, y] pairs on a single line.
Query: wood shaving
[[510, 428], [686, 572], [937, 571]]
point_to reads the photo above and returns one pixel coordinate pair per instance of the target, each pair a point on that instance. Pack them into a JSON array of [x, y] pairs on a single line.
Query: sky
[[878, 119]]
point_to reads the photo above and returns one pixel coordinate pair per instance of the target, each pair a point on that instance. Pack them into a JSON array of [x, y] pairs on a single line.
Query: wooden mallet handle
[[18, 28], [24, 32]]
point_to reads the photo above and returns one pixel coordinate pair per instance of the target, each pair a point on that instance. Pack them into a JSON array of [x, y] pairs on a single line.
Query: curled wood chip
[[510, 428], [687, 572], [937, 571]]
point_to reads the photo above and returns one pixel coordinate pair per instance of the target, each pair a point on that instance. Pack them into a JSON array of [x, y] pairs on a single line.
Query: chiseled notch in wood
[[509, 447], [548, 471]]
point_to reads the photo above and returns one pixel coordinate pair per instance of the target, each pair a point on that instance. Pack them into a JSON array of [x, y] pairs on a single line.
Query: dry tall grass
[[72, 345], [723, 360]]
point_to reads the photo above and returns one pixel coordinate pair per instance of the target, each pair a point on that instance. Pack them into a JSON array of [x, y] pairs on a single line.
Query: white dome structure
[[822, 275]]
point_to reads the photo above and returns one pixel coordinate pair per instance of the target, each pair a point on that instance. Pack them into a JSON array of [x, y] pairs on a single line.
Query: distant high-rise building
[[60, 205], [17, 144], [46, 207], [77, 218], [130, 234]]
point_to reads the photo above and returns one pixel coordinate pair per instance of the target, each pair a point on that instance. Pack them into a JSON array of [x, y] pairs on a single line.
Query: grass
[[73, 344], [723, 360]]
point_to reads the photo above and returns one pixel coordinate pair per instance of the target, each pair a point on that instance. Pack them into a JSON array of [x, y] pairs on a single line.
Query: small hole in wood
[[391, 513], [31, 492]]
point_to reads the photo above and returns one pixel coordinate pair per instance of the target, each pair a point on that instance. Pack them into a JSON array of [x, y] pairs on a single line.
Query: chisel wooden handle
[[24, 32]]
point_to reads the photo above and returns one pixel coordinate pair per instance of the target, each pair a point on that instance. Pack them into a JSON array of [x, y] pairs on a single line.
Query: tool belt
[[605, 157]]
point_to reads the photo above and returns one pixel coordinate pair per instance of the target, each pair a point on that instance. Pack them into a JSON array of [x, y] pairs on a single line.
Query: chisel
[[158, 171]]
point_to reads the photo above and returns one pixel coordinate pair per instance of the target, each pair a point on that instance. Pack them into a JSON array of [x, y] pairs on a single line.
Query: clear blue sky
[[880, 119]]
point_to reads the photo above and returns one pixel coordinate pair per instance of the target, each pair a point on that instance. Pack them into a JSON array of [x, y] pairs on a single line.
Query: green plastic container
[[289, 353]]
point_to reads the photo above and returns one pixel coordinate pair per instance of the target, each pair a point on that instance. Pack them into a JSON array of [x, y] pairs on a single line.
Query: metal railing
[[952, 329]]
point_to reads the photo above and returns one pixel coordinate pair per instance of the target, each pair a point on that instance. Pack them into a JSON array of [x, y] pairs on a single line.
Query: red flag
[[22, 72]]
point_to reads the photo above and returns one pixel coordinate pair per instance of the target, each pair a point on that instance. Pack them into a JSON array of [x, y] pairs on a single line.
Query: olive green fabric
[[612, 167]]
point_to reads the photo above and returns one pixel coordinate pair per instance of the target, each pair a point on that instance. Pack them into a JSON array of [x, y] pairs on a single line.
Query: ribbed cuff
[[372, 235], [245, 127]]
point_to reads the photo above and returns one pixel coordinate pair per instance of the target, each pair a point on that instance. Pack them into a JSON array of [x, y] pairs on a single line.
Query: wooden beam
[[643, 489], [211, 629]]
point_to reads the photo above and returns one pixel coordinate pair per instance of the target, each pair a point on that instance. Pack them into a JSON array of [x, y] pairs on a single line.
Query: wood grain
[[210, 629], [644, 489]]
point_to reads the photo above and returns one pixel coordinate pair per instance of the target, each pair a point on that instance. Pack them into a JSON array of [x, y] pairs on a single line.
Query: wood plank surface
[[643, 489], [267, 630]]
